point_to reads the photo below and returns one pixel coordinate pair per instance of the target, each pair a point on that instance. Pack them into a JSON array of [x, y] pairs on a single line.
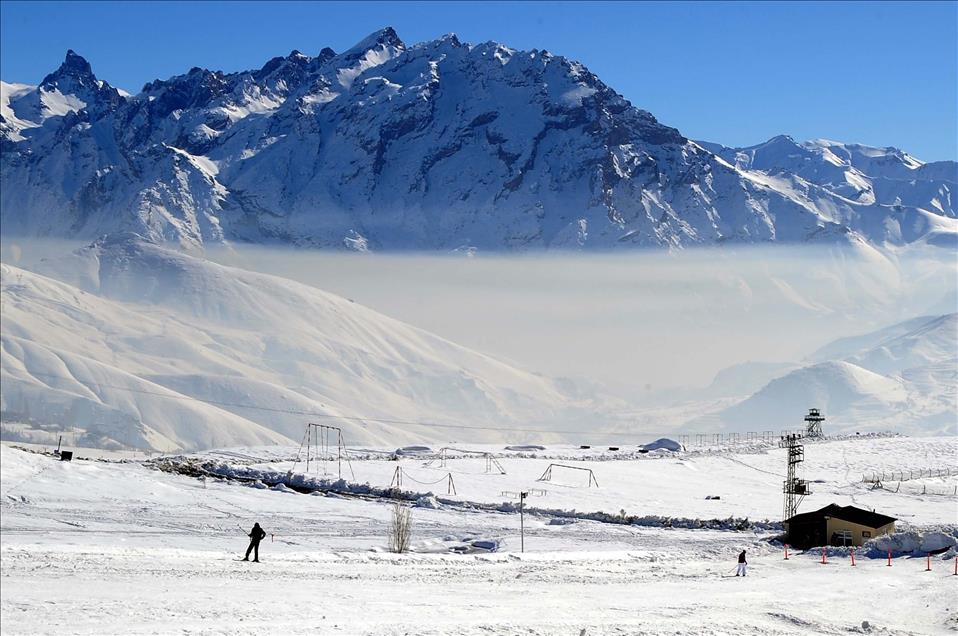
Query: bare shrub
[[400, 529]]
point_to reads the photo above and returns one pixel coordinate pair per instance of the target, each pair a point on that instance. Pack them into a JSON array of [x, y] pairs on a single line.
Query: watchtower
[[813, 423]]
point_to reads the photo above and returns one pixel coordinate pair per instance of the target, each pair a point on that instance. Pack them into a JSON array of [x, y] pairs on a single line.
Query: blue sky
[[736, 73]]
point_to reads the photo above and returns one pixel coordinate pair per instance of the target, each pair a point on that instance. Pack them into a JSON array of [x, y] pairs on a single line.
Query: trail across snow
[[111, 590]]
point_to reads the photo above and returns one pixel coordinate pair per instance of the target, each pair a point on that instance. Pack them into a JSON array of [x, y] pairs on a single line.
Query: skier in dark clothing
[[742, 564], [256, 535]]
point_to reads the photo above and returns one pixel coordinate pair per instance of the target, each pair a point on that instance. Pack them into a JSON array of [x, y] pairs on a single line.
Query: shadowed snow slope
[[117, 337]]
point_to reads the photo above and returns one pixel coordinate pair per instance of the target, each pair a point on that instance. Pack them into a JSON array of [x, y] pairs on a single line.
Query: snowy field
[[746, 480], [117, 547]]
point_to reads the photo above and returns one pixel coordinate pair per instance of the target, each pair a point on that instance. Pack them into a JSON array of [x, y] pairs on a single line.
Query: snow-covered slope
[[439, 145], [903, 377], [118, 548], [915, 343], [840, 389], [117, 338]]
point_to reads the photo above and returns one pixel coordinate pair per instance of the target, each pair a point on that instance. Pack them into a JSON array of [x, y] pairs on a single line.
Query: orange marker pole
[[928, 563], [824, 560], [786, 554], [853, 557], [889, 558]]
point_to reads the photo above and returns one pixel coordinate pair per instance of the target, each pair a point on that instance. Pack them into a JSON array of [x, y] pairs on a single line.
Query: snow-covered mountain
[[119, 338], [866, 176], [440, 145]]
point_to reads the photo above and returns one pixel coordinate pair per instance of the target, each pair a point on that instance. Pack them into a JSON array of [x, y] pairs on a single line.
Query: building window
[[866, 534]]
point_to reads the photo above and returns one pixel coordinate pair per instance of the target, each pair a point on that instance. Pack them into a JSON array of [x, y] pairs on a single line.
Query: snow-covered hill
[[118, 338], [903, 377], [440, 145]]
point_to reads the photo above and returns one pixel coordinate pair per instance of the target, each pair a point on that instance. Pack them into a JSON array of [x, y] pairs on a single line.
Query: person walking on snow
[[256, 535], [742, 564]]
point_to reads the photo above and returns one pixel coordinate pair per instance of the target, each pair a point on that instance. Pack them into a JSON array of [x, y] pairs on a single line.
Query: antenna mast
[[794, 488]]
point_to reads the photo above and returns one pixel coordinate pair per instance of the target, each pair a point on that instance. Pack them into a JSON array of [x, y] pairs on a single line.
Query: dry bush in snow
[[400, 529]]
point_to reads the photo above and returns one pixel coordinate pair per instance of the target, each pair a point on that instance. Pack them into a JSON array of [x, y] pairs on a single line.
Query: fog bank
[[639, 321]]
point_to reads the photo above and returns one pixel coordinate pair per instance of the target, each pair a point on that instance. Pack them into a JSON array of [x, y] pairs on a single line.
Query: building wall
[[807, 534], [837, 525]]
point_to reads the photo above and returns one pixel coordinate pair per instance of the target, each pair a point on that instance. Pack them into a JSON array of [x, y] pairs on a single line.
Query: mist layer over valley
[[137, 345], [636, 321]]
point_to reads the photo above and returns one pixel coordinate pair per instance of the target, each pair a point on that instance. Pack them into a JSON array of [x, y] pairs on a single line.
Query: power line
[[357, 418]]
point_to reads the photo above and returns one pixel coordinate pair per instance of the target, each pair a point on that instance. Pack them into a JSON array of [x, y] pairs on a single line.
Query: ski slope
[[98, 547]]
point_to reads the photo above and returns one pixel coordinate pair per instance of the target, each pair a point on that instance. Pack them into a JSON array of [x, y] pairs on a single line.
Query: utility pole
[[522, 522], [795, 489], [521, 496]]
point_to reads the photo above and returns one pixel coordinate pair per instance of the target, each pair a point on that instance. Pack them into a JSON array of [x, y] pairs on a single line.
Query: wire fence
[[401, 474], [924, 490], [908, 475], [690, 440]]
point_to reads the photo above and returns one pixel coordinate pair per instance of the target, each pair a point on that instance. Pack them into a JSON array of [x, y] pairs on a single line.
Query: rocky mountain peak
[[383, 38], [74, 70], [75, 78]]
